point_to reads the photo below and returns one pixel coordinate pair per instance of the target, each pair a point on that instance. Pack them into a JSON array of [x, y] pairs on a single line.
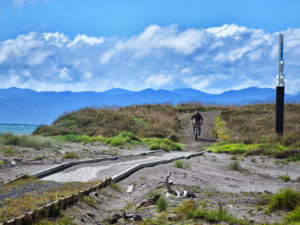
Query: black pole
[[279, 109]]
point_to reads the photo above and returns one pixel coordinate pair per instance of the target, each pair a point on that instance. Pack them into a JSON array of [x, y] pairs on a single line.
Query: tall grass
[[256, 124], [161, 121], [36, 142]]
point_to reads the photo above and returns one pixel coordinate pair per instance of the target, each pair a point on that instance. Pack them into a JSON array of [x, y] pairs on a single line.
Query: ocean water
[[17, 128]]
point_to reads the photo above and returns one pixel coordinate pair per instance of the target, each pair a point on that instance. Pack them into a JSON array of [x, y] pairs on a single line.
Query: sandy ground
[[208, 176]]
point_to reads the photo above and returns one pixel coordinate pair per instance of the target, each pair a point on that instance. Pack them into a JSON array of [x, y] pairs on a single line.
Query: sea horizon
[[18, 129]]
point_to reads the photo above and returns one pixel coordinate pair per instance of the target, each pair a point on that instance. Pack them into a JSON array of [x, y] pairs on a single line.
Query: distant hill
[[26, 106]]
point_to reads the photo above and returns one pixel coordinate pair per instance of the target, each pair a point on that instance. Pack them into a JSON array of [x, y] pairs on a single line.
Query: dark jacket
[[197, 117]]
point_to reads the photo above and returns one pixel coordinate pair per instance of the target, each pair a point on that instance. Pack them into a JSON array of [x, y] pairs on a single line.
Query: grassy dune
[[251, 130]]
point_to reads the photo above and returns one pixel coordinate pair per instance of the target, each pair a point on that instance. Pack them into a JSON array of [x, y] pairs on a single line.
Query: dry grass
[[160, 121], [256, 124], [36, 197]]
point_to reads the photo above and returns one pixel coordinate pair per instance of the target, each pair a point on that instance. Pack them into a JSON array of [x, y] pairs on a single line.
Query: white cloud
[[157, 81], [212, 60]]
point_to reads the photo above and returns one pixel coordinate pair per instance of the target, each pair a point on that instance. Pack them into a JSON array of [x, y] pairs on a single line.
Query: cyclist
[[196, 119]]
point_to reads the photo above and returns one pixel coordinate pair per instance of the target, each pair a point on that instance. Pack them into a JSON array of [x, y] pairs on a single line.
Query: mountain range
[[25, 106]]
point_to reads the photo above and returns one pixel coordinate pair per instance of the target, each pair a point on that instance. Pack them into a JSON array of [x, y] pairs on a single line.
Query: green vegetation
[[235, 166], [71, 155], [182, 165], [162, 203], [2, 163], [285, 178], [89, 201], [36, 142], [32, 199], [293, 216], [286, 199], [162, 143], [161, 121], [38, 157], [188, 209], [250, 130], [116, 187], [79, 138], [123, 139], [65, 220]]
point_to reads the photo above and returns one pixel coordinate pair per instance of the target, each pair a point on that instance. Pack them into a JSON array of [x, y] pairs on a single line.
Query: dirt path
[[206, 137]]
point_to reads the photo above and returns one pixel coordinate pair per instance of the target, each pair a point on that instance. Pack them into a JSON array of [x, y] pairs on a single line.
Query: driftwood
[[179, 194]]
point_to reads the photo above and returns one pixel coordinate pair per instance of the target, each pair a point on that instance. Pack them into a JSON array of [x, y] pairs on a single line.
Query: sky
[[96, 45]]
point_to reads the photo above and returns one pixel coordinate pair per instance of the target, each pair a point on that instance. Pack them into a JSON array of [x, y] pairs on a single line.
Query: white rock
[[130, 189]]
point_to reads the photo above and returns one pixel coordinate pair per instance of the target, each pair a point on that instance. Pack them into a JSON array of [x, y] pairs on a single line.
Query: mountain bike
[[197, 129]]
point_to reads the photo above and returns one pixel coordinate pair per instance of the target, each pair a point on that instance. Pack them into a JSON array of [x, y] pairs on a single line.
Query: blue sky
[[212, 46]]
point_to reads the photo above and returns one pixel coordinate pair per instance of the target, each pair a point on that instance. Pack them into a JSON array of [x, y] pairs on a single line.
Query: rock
[[137, 217], [130, 189], [114, 219], [91, 215]]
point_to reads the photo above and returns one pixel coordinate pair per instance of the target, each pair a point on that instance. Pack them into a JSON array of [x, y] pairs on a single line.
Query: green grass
[[2, 163], [162, 203], [123, 139], [182, 165], [233, 148], [162, 143], [79, 138], [160, 120], [286, 199], [235, 166], [36, 142], [293, 216], [71, 155], [188, 209], [116, 187], [89, 201], [285, 178]]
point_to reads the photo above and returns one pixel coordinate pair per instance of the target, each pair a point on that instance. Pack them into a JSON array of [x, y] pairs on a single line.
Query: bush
[[36, 142], [162, 143], [293, 216], [286, 199], [162, 203], [285, 178], [71, 155], [116, 187], [235, 166], [89, 201], [123, 139], [182, 165]]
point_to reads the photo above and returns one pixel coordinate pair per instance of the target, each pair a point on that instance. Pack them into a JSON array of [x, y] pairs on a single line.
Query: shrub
[[285, 178], [162, 203], [286, 199], [71, 155], [293, 216], [123, 139], [116, 187], [89, 201], [185, 207], [235, 166], [182, 165], [36, 142], [162, 143]]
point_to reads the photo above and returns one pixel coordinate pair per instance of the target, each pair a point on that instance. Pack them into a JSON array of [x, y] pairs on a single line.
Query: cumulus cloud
[[212, 60]]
